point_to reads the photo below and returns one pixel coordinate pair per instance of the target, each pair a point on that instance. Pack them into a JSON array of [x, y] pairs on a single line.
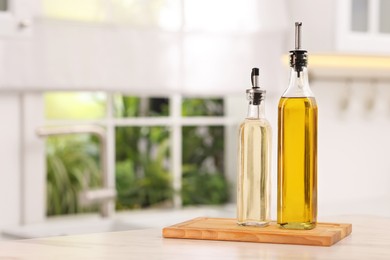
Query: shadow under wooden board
[[226, 229]]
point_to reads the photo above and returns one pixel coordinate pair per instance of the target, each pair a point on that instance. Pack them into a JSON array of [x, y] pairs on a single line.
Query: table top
[[370, 239]]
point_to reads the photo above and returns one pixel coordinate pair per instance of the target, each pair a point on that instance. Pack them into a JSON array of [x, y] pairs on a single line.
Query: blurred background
[[124, 114]]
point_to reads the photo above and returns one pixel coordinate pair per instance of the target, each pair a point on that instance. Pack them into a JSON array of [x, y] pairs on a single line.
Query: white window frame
[[175, 121], [370, 42]]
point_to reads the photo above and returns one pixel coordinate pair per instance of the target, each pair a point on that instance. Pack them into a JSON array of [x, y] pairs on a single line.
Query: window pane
[[359, 21], [202, 107], [130, 106], [203, 180], [75, 105], [384, 21], [142, 167], [72, 166], [85, 10], [141, 13], [147, 13], [3, 5]]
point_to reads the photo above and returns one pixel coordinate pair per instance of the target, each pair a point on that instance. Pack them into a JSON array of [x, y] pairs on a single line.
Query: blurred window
[[384, 20], [142, 167], [132, 106], [203, 180], [144, 154], [202, 107], [72, 164], [370, 16], [75, 105], [3, 5], [365, 22], [359, 16], [85, 10], [163, 14]]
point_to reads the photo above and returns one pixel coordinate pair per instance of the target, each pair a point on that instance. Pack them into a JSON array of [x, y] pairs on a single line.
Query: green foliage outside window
[[203, 158], [142, 167], [202, 107], [142, 170], [72, 166], [203, 180]]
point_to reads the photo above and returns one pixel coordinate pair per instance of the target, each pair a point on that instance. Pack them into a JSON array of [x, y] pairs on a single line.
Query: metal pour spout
[[255, 95], [255, 77], [298, 26]]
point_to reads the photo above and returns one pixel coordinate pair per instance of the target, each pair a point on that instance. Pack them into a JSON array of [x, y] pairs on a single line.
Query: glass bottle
[[253, 185], [297, 147]]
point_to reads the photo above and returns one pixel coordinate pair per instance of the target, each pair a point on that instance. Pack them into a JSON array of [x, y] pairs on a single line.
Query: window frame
[[370, 42], [175, 121]]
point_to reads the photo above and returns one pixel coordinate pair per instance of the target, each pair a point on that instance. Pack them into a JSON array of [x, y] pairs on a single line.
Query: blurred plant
[[142, 155], [202, 107], [203, 179], [129, 106], [142, 173], [142, 160], [72, 165], [203, 154]]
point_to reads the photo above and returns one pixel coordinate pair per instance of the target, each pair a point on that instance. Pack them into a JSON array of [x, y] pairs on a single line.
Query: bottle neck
[[256, 111], [299, 84]]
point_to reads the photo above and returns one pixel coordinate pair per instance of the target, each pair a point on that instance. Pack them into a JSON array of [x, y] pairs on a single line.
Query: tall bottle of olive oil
[[297, 146], [253, 193]]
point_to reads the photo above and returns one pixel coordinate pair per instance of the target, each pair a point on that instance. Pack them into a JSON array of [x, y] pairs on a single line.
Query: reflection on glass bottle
[[253, 193], [297, 147]]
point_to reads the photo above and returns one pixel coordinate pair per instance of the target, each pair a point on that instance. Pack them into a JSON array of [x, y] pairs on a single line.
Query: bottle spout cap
[[298, 26], [255, 94], [298, 57], [255, 77]]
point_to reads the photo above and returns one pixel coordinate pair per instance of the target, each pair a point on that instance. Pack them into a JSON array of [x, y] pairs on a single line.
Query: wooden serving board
[[325, 234]]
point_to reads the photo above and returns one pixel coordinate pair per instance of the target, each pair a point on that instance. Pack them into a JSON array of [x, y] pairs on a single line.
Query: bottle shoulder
[[299, 85], [255, 122], [298, 92]]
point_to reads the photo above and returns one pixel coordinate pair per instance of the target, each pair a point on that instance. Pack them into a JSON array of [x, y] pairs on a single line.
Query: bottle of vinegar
[[253, 192], [297, 147]]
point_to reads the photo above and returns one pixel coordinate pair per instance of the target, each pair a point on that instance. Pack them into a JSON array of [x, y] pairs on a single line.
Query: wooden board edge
[[342, 228], [245, 237], [179, 231]]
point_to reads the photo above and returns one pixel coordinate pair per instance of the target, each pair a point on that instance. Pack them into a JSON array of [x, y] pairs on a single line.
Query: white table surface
[[370, 239]]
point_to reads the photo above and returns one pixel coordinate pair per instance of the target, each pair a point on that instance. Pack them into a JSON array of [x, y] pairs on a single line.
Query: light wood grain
[[370, 240], [226, 229]]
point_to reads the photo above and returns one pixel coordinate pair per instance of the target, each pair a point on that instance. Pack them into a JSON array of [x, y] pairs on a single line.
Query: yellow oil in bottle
[[297, 162], [253, 199]]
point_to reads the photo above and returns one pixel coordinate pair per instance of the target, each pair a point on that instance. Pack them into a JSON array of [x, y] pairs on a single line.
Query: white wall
[[22, 160], [319, 24], [15, 42], [10, 154], [33, 172], [354, 169]]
